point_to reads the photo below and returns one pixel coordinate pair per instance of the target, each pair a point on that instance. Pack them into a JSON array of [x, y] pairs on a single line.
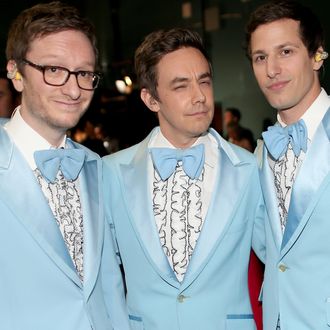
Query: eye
[[53, 70], [286, 52], [206, 82], [259, 58], [87, 74], [179, 87]]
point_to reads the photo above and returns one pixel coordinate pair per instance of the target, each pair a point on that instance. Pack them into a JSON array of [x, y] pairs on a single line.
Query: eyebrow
[[177, 80], [281, 46]]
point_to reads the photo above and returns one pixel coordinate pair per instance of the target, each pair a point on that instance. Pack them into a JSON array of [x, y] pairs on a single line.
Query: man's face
[[285, 72], [51, 110], [186, 106], [6, 99]]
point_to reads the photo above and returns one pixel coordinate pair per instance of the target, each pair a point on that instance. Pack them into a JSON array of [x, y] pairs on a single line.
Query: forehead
[[183, 62], [69, 44], [276, 34]]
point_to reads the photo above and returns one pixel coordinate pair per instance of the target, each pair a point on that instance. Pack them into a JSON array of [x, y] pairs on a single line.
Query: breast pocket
[[240, 322], [136, 322]]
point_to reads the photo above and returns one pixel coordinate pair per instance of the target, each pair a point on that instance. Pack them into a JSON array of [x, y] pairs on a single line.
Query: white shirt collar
[[26, 139], [158, 140], [314, 114]]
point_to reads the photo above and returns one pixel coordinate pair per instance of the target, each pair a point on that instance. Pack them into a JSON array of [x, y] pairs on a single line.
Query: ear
[[14, 75], [319, 58], [149, 100]]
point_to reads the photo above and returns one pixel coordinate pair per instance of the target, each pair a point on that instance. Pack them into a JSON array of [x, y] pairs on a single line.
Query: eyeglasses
[[58, 76]]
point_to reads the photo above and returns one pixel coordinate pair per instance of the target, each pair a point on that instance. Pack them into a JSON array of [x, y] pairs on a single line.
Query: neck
[[182, 142], [53, 135]]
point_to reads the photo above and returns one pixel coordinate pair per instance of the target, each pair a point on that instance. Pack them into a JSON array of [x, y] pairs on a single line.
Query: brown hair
[[156, 45], [311, 31], [41, 20]]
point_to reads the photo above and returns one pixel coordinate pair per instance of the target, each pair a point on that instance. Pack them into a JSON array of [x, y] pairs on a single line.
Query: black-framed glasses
[[58, 76]]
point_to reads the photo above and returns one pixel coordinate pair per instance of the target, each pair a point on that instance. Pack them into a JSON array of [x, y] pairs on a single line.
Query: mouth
[[277, 86], [68, 104], [198, 113]]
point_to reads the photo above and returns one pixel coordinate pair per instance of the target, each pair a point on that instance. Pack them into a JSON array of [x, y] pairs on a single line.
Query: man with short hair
[[285, 44], [183, 203], [52, 220]]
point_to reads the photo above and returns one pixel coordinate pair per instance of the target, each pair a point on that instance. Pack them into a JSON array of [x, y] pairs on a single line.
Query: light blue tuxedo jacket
[[297, 274], [214, 293], [39, 286]]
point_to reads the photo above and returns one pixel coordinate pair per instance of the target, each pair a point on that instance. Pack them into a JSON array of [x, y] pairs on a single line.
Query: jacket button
[[181, 298], [282, 268]]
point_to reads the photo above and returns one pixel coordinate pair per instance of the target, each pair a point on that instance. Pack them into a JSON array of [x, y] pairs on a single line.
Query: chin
[[67, 123], [200, 132]]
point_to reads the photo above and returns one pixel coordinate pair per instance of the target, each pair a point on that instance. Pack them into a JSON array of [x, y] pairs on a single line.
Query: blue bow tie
[[165, 160], [69, 161], [277, 138]]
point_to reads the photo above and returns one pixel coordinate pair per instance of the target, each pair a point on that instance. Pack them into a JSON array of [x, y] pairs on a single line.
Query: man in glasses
[[52, 227]]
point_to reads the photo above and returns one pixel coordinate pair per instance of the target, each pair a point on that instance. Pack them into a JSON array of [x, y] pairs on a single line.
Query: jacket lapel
[[30, 207], [136, 185], [230, 186], [89, 181], [269, 193], [309, 182]]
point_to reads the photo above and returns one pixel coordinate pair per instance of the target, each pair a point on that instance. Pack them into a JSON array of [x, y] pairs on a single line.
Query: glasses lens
[[55, 75], [88, 80]]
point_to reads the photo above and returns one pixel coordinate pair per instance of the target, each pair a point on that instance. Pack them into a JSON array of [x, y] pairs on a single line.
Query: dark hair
[[311, 31], [235, 112], [156, 45], [41, 20]]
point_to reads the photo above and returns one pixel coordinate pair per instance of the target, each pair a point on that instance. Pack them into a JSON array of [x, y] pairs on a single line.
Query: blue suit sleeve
[[113, 283]]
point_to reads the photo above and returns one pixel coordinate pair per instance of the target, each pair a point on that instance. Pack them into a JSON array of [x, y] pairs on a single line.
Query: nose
[[272, 67], [198, 95], [71, 87]]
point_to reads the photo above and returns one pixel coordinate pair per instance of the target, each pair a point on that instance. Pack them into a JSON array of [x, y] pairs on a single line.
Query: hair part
[[158, 44], [311, 31], [42, 20]]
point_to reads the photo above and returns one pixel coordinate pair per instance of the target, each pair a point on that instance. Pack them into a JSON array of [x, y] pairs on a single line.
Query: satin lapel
[[89, 181], [24, 198], [269, 193], [137, 196], [305, 193], [231, 181]]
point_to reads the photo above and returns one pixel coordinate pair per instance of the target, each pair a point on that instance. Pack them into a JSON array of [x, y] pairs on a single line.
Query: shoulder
[[3, 121], [232, 149], [91, 155], [125, 156], [242, 153], [233, 152], [121, 157]]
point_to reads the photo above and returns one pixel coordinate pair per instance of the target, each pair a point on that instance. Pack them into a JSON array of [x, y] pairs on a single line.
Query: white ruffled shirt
[[180, 204]]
